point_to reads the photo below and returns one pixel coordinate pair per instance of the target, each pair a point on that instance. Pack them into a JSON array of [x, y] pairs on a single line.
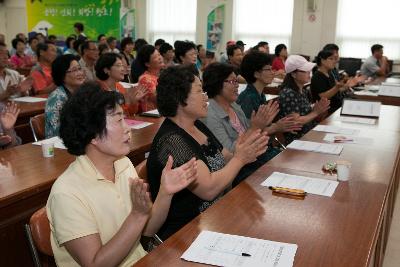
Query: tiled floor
[[392, 255]]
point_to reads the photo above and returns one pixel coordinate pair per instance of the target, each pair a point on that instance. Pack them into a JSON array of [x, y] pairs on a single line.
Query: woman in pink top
[[20, 60], [151, 60], [278, 65]]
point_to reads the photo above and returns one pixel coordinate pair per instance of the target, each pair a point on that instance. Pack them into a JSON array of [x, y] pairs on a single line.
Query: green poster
[[215, 27], [58, 16]]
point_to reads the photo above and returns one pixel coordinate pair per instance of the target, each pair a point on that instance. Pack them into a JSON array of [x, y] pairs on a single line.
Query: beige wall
[[12, 19]]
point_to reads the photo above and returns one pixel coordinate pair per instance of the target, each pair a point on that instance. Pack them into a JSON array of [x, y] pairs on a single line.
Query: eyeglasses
[[233, 82], [119, 65], [74, 70]]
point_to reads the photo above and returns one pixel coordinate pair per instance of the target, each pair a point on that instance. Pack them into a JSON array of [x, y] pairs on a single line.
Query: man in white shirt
[[377, 64]]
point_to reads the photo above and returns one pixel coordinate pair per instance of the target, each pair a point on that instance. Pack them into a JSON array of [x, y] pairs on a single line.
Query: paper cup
[[48, 150], [343, 170]]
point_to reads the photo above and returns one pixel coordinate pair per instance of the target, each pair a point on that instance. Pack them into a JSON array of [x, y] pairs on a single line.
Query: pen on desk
[[243, 254], [287, 191]]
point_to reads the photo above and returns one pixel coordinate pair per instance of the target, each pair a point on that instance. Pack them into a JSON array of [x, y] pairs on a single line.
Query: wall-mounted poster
[[58, 16], [127, 24], [215, 27]]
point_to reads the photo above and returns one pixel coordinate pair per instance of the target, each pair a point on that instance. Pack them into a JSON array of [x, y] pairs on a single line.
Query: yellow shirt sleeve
[[70, 218]]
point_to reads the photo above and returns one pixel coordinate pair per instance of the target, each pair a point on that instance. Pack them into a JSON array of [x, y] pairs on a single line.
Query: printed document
[[238, 251]]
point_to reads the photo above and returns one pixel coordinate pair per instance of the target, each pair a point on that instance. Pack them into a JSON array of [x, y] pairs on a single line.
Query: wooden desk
[[386, 100], [142, 139], [349, 229], [28, 110], [22, 195]]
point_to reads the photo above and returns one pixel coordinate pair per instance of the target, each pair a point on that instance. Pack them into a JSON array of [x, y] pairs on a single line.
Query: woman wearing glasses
[[110, 71], [68, 76], [182, 135], [227, 120]]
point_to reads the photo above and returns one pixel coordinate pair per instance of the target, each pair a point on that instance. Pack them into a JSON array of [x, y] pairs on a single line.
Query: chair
[[37, 127], [38, 234], [350, 65]]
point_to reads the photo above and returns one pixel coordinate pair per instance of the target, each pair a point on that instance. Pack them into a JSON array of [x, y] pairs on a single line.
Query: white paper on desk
[[153, 112], [389, 91], [128, 85], [366, 93], [391, 83], [314, 186], [29, 99], [347, 139], [316, 147], [361, 108], [335, 129], [58, 143], [224, 250], [358, 120]]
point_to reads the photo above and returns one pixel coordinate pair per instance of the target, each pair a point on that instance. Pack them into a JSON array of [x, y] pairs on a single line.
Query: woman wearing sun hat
[[293, 98]]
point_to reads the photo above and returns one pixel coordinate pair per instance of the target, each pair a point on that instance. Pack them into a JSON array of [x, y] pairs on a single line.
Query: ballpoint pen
[[287, 191], [243, 254]]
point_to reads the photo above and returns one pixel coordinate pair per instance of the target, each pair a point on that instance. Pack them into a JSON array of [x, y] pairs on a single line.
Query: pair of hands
[[22, 87], [250, 145], [265, 115], [137, 93], [321, 106], [8, 117], [172, 181]]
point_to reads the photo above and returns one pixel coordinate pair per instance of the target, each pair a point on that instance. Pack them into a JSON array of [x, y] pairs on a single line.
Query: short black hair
[[181, 48], [262, 43], [139, 43], [15, 42], [85, 45], [79, 26], [323, 54], [32, 38], [174, 85], [252, 62], [376, 47], [111, 39], [230, 50], [279, 48], [100, 36], [42, 47], [331, 47], [125, 42], [52, 36], [164, 48], [103, 47], [159, 42], [144, 55], [214, 76], [60, 66], [68, 41], [105, 61], [83, 116]]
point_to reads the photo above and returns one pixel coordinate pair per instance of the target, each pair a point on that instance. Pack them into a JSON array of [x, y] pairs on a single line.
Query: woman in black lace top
[[180, 98]]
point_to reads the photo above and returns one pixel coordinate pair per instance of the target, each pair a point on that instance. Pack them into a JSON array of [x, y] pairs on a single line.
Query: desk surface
[[344, 230]]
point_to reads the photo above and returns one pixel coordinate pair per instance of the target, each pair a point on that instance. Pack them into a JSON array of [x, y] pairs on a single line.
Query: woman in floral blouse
[[68, 75], [293, 98]]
